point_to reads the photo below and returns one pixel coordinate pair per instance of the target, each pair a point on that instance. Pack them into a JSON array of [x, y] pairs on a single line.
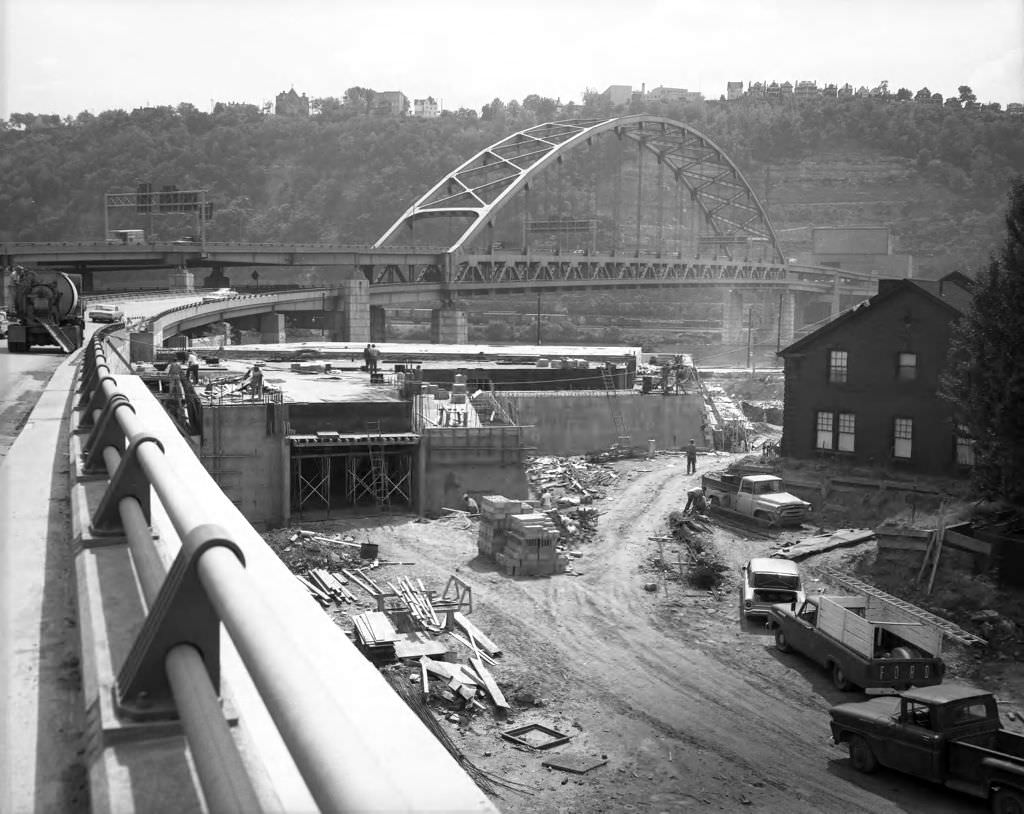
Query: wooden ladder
[[623, 438]]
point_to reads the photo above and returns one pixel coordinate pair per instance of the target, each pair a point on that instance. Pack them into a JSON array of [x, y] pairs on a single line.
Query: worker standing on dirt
[[695, 499], [691, 458]]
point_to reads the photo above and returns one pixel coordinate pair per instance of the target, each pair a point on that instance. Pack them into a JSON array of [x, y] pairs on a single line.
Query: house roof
[[950, 291]]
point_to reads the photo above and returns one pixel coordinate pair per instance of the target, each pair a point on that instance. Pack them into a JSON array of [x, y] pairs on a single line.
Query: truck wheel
[[861, 756], [781, 643], [839, 679], [1008, 801]]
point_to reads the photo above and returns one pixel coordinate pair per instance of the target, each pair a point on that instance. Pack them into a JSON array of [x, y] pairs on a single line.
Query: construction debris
[[376, 636], [823, 542]]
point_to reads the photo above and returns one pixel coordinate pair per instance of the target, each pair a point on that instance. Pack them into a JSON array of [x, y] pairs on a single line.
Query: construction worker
[[471, 505], [256, 382], [193, 367], [691, 458], [695, 498]]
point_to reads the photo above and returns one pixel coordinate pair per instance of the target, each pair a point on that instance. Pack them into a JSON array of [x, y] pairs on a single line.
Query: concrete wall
[[573, 423], [349, 416], [243, 450], [478, 461]]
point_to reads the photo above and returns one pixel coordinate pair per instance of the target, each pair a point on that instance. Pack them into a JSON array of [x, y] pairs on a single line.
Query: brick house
[[864, 387]]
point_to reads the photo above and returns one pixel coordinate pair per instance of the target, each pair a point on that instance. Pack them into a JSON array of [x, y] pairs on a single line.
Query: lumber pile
[[495, 510], [418, 603], [569, 476], [530, 547], [326, 587], [375, 636]]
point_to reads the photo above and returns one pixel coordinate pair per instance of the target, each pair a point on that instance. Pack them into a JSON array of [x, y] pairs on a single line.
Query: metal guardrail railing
[[173, 666]]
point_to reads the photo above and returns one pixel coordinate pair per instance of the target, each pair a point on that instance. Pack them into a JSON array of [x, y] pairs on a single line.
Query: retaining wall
[[574, 423], [477, 461]]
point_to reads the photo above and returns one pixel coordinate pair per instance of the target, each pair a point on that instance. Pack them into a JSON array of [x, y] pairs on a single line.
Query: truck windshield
[[764, 487], [787, 582]]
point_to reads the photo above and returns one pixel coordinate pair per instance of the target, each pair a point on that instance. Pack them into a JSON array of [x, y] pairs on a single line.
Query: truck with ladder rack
[[47, 310]]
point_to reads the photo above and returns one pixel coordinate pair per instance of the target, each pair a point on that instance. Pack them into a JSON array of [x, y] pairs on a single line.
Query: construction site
[[500, 533]]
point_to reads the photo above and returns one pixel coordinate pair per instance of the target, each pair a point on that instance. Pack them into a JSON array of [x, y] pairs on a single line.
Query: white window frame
[[902, 438], [846, 431], [964, 446], [906, 366], [838, 374], [823, 435]]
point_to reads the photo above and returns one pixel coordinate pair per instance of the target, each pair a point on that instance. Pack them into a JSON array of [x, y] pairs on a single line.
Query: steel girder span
[[485, 183]]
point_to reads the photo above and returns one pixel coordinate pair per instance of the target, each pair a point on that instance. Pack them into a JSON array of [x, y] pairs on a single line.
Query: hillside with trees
[[936, 173]]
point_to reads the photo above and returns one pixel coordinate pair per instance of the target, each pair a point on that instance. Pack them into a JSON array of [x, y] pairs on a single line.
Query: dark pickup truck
[[948, 734], [864, 641]]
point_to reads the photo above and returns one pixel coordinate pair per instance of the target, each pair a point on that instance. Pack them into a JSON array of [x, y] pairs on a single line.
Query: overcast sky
[[72, 55]]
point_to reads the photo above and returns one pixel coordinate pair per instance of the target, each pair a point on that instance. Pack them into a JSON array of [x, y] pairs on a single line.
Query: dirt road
[[691, 708]]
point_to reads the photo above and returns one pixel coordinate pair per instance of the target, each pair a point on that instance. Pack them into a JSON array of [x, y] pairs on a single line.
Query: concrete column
[[272, 329], [787, 317], [378, 323], [449, 326], [181, 280], [350, 320], [833, 308], [733, 317]]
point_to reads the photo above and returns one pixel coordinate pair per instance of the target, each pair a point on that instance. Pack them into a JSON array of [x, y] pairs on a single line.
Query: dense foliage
[[344, 174], [986, 372]]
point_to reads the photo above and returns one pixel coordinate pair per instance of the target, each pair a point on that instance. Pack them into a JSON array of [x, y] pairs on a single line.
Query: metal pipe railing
[[339, 771]]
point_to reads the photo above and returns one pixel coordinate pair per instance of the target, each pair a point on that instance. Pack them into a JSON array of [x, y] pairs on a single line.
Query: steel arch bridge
[[730, 214]]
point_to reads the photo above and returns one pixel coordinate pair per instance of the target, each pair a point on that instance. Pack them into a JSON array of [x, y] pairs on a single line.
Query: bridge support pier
[[272, 329], [350, 320], [787, 317], [181, 280], [449, 325], [733, 317], [378, 324]]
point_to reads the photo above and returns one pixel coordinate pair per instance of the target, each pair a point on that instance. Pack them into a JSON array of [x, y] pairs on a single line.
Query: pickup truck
[[769, 581], [762, 497], [949, 734], [864, 642]]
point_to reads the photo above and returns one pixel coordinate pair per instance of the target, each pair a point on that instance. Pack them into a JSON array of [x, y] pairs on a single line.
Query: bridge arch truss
[[730, 217]]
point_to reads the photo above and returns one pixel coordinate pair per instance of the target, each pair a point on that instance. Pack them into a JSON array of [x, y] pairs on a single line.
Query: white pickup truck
[[761, 497]]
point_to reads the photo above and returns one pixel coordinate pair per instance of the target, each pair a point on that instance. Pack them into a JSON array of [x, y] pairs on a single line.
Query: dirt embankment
[[690, 706]]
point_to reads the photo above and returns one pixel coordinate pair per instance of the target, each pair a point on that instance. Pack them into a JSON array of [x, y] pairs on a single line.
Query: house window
[[824, 427], [847, 426], [903, 436], [907, 367], [837, 365], [964, 446]]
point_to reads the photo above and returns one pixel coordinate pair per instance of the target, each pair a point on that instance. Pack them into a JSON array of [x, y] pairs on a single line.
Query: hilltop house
[[864, 387]]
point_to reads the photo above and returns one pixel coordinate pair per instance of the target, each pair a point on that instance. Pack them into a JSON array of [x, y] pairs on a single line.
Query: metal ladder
[[613, 405], [379, 482], [951, 630]]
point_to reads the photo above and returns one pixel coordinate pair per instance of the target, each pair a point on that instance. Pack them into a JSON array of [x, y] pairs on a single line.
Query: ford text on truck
[[950, 734], [864, 641], [762, 497]]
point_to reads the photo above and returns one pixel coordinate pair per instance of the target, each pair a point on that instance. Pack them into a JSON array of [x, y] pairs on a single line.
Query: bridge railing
[[173, 667]]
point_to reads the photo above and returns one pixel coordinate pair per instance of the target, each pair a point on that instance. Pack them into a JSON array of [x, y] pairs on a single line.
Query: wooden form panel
[[854, 631]]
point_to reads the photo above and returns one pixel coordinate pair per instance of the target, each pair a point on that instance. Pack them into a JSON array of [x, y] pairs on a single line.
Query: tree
[[952, 101], [361, 99], [985, 373], [966, 94], [904, 95], [923, 95]]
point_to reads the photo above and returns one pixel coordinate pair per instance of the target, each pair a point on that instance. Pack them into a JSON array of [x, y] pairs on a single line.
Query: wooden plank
[[849, 628], [361, 583], [901, 544], [966, 543], [489, 684], [424, 680], [482, 641], [462, 640]]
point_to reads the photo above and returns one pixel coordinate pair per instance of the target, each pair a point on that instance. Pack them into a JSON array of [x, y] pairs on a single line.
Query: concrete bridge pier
[[733, 317], [272, 330], [350, 319], [449, 325], [787, 317], [378, 324], [181, 279]]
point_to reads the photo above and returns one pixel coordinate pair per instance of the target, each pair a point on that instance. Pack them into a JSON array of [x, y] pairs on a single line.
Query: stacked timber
[[530, 547], [376, 636], [495, 512]]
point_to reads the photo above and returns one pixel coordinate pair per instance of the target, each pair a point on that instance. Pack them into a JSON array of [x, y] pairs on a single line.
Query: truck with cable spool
[[47, 310]]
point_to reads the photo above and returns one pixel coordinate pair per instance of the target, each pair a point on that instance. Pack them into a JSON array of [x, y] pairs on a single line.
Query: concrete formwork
[[477, 460], [573, 423]]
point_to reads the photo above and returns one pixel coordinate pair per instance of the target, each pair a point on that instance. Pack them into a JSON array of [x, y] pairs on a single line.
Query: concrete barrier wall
[[568, 423], [477, 461], [243, 450]]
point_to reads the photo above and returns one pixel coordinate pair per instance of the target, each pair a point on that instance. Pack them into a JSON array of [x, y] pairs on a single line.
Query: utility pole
[[778, 342], [538, 317], [750, 334]]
